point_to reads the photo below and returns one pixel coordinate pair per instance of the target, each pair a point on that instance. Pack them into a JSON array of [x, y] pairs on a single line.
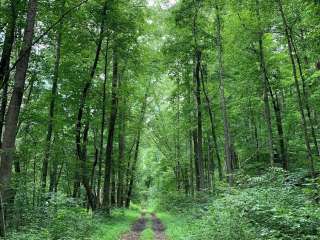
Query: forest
[[159, 119]]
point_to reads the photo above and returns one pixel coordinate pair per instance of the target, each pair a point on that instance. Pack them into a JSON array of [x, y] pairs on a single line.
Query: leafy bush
[[271, 206], [59, 218]]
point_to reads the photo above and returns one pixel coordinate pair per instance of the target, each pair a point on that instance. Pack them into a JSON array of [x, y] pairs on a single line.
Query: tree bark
[[297, 86], [133, 170], [196, 160], [84, 170], [54, 93], [122, 149], [199, 146], [279, 125], [267, 112], [95, 163], [305, 94], [8, 43], [103, 119], [213, 128], [12, 117], [136, 151], [83, 98], [111, 130], [5, 62], [4, 102], [228, 147]]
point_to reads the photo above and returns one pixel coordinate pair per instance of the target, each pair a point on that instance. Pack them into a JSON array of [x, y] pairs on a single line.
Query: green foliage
[[155, 45], [66, 224], [266, 207], [176, 224], [76, 223], [113, 228], [71, 224]]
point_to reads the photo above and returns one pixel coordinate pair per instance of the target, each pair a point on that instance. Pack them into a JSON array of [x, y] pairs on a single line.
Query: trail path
[[137, 229], [141, 224], [158, 228]]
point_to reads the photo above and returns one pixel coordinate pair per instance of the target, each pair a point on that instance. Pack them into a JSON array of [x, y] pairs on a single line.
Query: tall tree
[[8, 42], [83, 99], [11, 125], [5, 61], [103, 119], [54, 92], [197, 92], [264, 78], [111, 130], [297, 86], [228, 146], [136, 149], [212, 124]]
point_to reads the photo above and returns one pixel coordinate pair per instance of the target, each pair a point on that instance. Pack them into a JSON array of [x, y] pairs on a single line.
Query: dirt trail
[[136, 229], [141, 224], [158, 228]]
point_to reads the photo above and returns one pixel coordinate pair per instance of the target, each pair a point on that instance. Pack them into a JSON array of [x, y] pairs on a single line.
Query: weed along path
[[144, 229]]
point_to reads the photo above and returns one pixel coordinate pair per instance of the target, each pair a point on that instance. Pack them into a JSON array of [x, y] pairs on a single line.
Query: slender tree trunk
[[133, 170], [53, 175], [254, 131], [84, 174], [198, 141], [103, 119], [199, 120], [305, 95], [211, 164], [178, 143], [283, 151], [12, 117], [59, 177], [5, 62], [128, 173], [122, 149], [281, 137], [8, 43], [196, 155], [213, 128], [111, 129], [113, 190], [191, 171], [54, 93], [228, 149], [95, 162], [191, 150], [83, 99], [299, 95], [267, 112], [4, 102], [2, 218], [136, 151]]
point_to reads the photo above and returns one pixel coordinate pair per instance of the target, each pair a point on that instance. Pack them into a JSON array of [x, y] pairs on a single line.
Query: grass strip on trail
[[114, 227], [147, 234], [176, 227]]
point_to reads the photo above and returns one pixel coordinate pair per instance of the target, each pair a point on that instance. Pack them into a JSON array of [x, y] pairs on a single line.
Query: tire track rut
[[141, 224]]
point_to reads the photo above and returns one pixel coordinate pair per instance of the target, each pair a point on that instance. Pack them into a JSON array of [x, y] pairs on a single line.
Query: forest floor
[[141, 230]]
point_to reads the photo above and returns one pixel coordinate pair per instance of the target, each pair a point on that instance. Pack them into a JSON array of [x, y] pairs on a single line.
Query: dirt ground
[[141, 224]]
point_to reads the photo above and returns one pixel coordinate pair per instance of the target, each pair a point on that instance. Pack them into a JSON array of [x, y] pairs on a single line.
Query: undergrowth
[[66, 223], [276, 205]]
